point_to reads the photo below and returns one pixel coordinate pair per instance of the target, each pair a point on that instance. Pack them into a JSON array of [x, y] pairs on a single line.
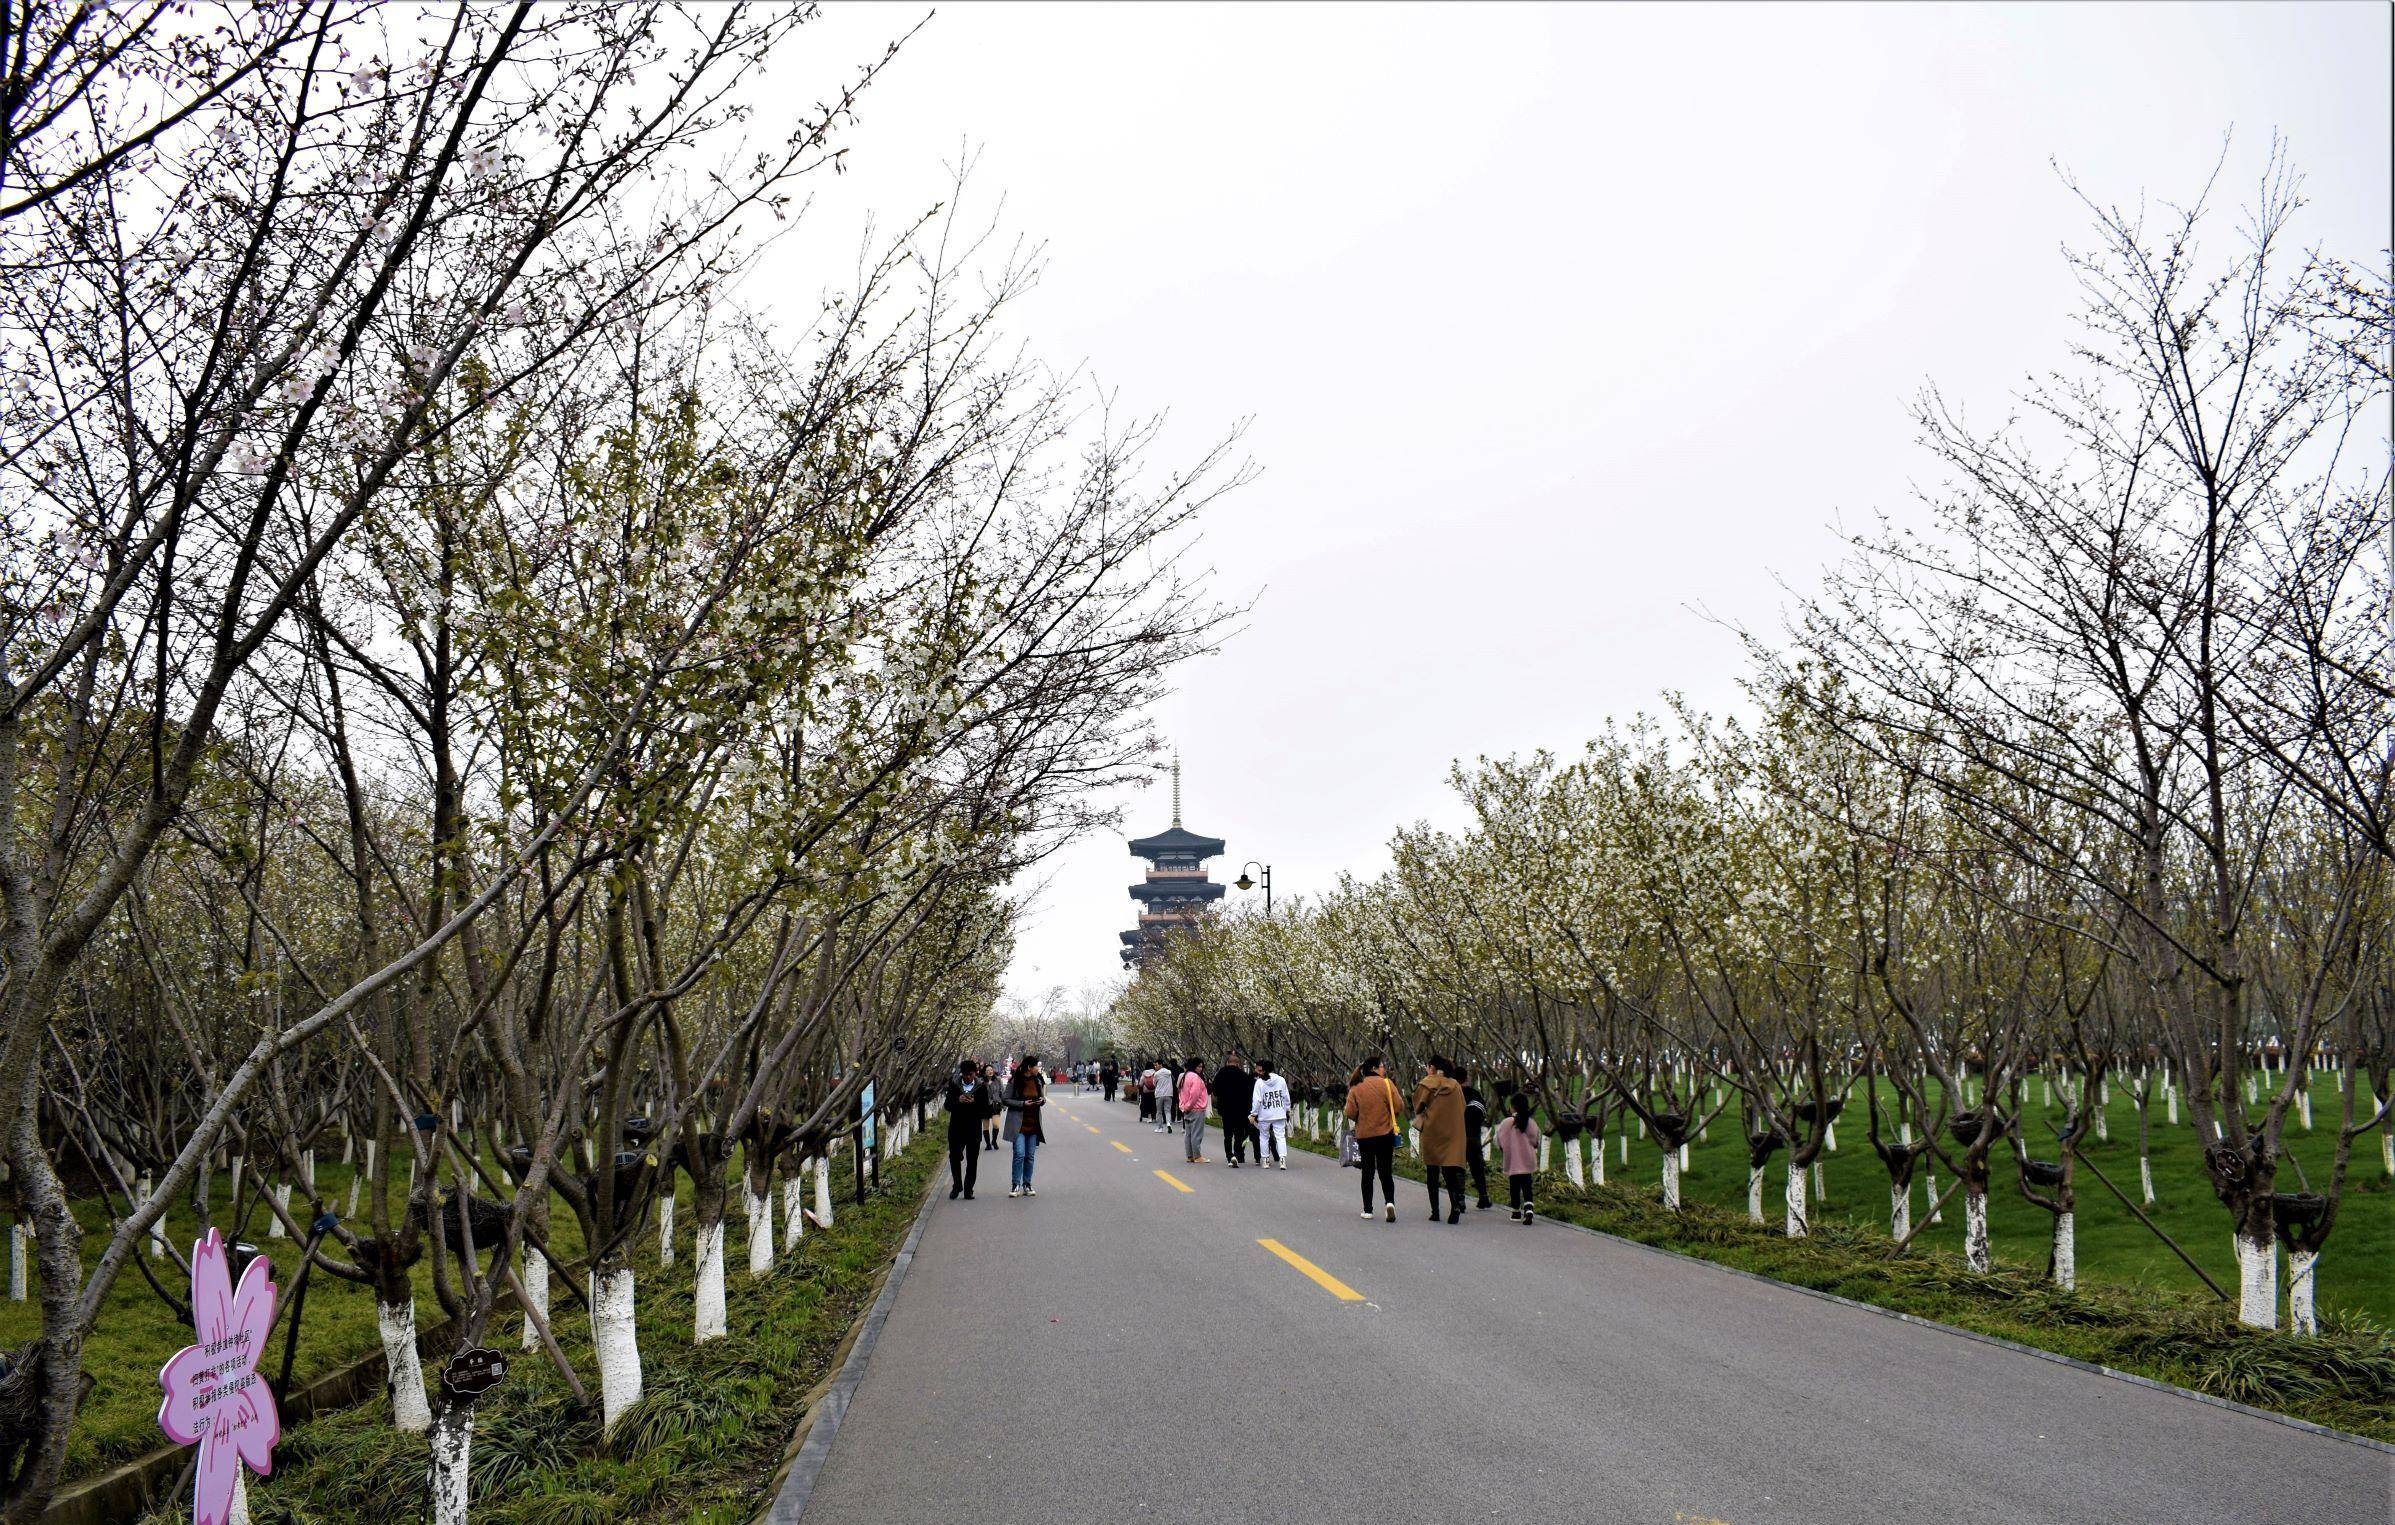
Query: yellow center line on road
[[1119, 1144], [1314, 1273], [1167, 1178]]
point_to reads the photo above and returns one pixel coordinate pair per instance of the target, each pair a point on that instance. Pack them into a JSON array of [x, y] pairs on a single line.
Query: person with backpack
[[1517, 1149], [1439, 1103], [1146, 1085], [1268, 1117], [1378, 1115], [971, 1101], [1192, 1100]]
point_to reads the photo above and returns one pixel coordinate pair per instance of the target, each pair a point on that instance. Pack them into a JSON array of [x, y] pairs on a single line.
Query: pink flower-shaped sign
[[214, 1395]]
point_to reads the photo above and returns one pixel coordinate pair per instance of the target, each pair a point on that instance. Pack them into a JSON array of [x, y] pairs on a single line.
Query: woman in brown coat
[[1439, 1103]]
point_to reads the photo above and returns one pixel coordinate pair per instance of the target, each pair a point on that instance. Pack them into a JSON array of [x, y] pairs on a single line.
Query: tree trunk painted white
[[1821, 1183], [1683, 1159], [1797, 1224], [1829, 1133], [2145, 1178], [157, 1229], [1900, 1209], [2386, 1150], [1642, 1127], [536, 1295], [1626, 1146], [233, 1197], [16, 1262], [1929, 1194], [2066, 1253], [1754, 1194], [823, 1192], [1671, 1180], [1596, 1161], [760, 1228], [2302, 1317], [1543, 1154], [1975, 1228], [794, 1208], [452, 1439], [665, 1229], [1572, 1171], [2170, 1105], [274, 1221], [2303, 1107], [403, 1369], [616, 1340], [307, 1168], [2046, 1085], [709, 1294], [2257, 1282], [349, 1147], [2249, 1090]]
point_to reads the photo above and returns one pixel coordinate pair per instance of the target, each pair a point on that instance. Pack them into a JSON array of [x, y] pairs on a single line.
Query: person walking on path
[[971, 1103], [1146, 1085], [1234, 1090], [1026, 1095], [1439, 1103], [1192, 1100], [1168, 1085], [1268, 1116], [1378, 1113], [1476, 1151], [996, 1082], [1517, 1148], [1110, 1075]]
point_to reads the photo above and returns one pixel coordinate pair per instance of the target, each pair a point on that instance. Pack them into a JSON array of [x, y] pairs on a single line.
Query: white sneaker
[[1028, 1192], [1284, 1164], [1367, 1215], [1014, 1191], [1392, 1212]]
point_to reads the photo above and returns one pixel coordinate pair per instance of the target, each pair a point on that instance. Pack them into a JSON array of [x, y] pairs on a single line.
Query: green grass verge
[[2344, 1378], [700, 1446]]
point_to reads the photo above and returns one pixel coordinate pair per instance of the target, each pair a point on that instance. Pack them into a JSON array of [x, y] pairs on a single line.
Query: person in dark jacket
[[1026, 1097], [970, 1104], [1476, 1153], [1110, 1075], [1234, 1091]]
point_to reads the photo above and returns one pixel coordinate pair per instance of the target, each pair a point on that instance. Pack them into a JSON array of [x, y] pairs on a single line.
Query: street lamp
[[1245, 883]]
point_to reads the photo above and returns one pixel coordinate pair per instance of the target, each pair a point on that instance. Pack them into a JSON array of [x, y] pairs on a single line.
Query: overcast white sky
[[1558, 325]]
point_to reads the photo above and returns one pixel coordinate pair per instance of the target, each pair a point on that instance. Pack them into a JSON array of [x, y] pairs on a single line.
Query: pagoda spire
[[1176, 788]]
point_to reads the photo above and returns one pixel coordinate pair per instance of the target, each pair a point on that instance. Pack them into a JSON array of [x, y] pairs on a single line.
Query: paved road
[[1121, 1350]]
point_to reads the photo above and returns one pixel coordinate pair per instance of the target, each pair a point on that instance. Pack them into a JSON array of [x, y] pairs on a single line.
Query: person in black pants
[[970, 1104], [1110, 1074], [1234, 1093], [1476, 1154]]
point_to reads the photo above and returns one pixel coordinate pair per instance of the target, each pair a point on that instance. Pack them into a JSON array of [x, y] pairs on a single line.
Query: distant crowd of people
[[1449, 1116], [989, 1104]]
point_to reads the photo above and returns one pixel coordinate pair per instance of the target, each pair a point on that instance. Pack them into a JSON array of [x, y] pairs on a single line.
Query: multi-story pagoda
[[1176, 888]]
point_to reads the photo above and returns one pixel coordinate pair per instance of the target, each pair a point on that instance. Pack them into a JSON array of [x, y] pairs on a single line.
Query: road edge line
[[811, 1444], [1997, 1340]]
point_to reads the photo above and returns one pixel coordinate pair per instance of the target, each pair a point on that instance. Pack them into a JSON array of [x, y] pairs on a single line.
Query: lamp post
[[1245, 883]]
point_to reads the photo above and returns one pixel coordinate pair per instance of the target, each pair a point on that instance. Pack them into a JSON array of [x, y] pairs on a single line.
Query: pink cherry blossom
[[214, 1395]]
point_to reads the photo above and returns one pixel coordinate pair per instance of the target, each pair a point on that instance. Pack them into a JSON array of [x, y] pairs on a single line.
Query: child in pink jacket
[[1517, 1146]]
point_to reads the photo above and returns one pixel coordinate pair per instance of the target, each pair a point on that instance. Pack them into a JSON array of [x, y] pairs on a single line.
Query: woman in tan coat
[[1378, 1113], [1439, 1103]]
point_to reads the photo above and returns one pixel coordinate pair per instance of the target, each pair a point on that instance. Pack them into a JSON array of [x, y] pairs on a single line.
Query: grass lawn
[[137, 1332], [702, 1444]]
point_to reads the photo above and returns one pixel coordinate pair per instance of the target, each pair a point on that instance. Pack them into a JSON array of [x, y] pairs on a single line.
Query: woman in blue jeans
[[1026, 1093]]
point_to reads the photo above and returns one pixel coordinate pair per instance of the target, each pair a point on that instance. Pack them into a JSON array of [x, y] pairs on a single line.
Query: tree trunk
[[452, 1439], [708, 1292], [1900, 1209], [2302, 1268], [759, 1187], [1671, 1179], [665, 1229], [1754, 1194], [536, 1296], [823, 1191], [1975, 1225], [2066, 1253], [616, 1340], [1796, 1224], [403, 1369], [794, 1207], [2257, 1281], [1572, 1170]]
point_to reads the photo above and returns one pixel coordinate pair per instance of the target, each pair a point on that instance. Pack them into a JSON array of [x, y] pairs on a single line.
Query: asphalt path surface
[[1118, 1348]]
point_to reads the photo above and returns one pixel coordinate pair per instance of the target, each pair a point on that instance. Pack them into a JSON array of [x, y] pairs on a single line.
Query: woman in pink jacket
[[1193, 1101], [1517, 1145]]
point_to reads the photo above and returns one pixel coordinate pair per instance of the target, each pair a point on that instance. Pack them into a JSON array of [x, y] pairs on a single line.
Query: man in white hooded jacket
[[1269, 1111]]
